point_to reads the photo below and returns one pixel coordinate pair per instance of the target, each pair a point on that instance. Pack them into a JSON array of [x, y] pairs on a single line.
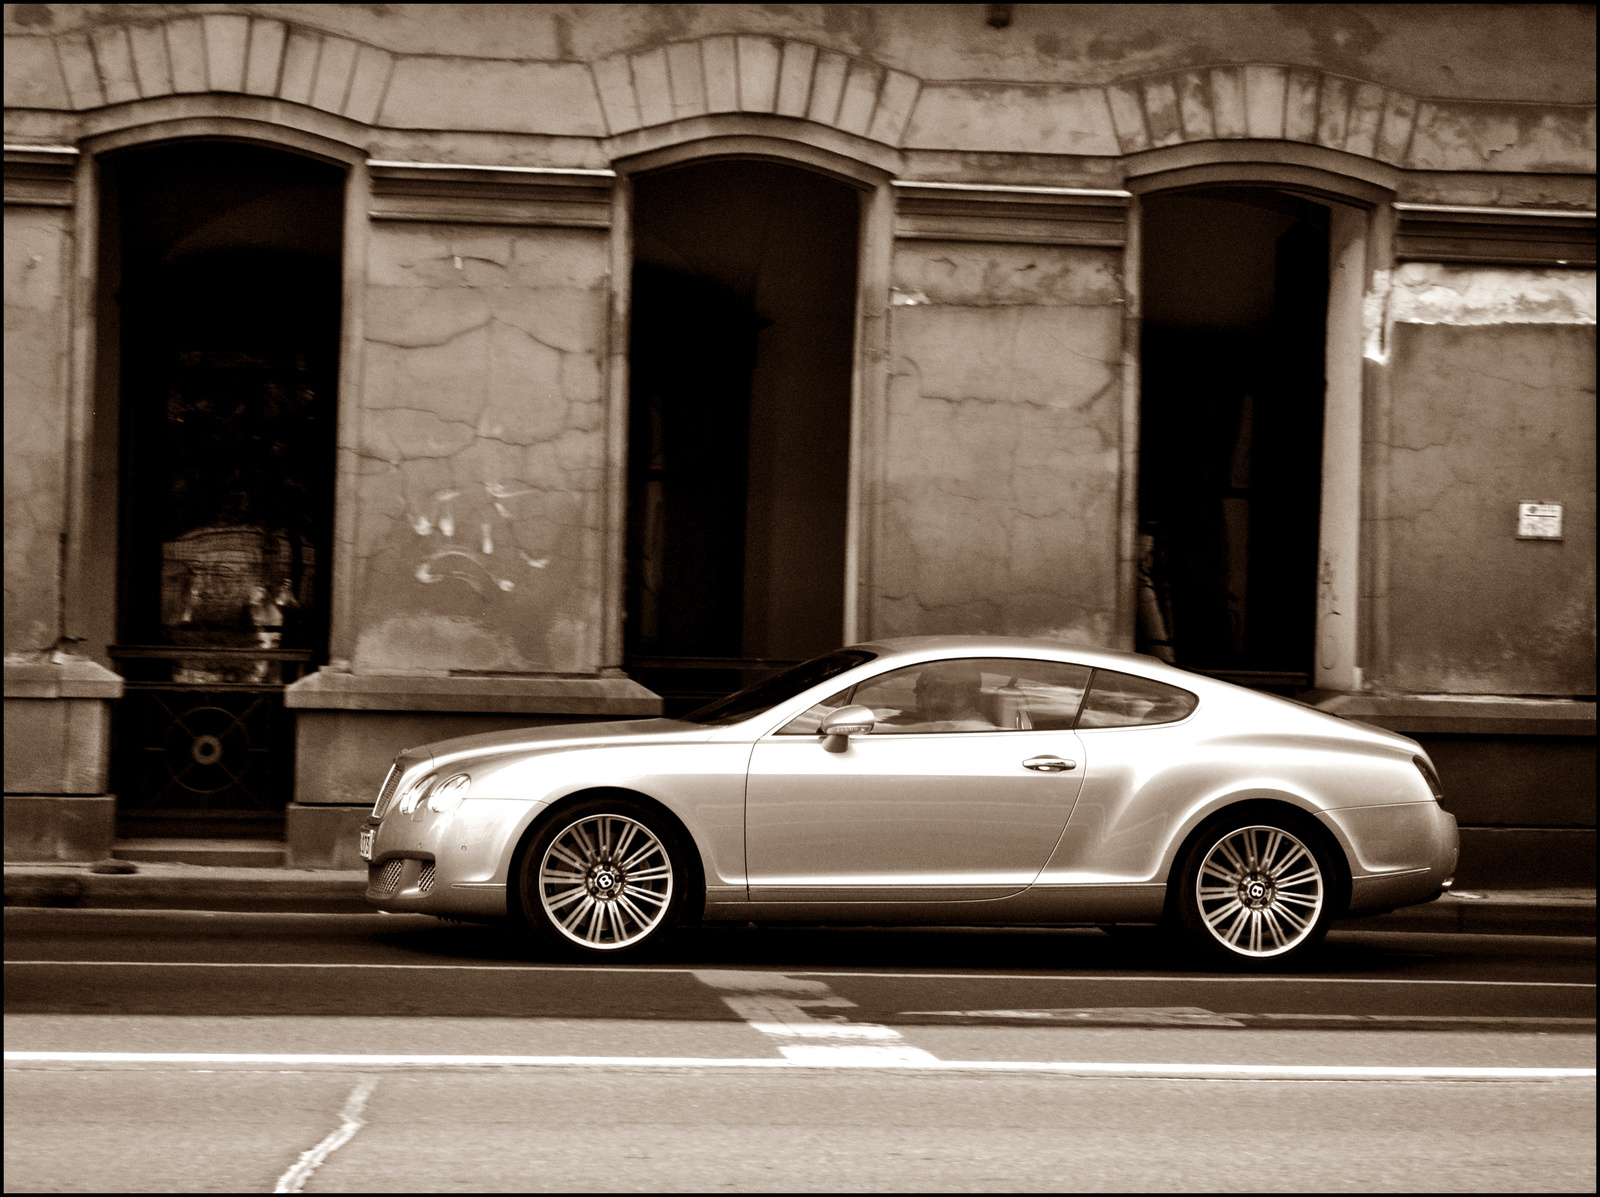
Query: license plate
[[364, 847]]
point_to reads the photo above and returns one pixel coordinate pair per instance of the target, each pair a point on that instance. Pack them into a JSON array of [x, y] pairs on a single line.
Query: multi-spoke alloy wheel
[[601, 879], [1257, 892]]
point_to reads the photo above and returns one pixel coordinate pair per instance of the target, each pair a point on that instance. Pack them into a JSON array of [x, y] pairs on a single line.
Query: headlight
[[451, 794], [414, 793]]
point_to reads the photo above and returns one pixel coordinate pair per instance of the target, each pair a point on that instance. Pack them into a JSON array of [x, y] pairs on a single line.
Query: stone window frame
[[849, 160], [1360, 195], [89, 605]]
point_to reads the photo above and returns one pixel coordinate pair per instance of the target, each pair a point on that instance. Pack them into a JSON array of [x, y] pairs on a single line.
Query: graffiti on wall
[[486, 552]]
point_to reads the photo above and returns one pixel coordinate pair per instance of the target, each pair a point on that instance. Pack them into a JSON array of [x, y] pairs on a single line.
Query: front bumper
[[410, 885], [450, 863]]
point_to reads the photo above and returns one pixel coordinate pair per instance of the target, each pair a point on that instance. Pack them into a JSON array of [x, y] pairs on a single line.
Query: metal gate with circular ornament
[[212, 758]]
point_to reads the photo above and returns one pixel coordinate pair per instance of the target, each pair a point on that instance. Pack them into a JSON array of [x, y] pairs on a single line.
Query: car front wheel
[[600, 878], [1257, 891]]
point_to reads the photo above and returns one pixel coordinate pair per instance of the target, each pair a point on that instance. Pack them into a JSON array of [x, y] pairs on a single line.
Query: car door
[[959, 793], [1146, 778]]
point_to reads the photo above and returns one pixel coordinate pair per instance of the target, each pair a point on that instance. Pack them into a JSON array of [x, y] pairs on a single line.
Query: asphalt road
[[189, 1052]]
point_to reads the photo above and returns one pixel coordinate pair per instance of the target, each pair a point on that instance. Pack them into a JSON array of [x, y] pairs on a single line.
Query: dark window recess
[[228, 304], [1235, 286], [740, 359]]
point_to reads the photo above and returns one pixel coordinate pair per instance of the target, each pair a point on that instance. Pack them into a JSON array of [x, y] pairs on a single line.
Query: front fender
[[700, 782]]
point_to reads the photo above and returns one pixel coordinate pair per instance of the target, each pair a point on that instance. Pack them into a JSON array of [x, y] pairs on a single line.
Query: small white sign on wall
[[1538, 521]]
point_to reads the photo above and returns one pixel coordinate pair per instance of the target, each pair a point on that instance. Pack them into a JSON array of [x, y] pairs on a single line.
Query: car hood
[[562, 736]]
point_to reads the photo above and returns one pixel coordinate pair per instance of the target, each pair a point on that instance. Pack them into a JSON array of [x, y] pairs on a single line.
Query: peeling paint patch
[[1439, 293], [1375, 318]]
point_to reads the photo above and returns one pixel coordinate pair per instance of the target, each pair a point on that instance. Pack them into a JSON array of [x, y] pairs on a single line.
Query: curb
[[1506, 912], [311, 891], [190, 887]]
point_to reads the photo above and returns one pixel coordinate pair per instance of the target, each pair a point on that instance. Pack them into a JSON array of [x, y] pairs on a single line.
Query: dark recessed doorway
[[220, 310], [1234, 292], [741, 355]]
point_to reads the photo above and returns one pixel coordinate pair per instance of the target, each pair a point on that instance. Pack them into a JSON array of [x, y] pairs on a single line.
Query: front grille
[[391, 783], [425, 878], [382, 879]]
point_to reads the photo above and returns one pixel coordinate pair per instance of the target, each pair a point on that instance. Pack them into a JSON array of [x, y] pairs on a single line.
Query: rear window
[[1123, 700]]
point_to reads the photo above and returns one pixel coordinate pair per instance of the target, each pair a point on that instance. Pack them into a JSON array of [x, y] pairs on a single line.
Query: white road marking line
[[1162, 1016], [350, 1121], [863, 974], [768, 1003], [1187, 980], [857, 1056], [1536, 1020], [1194, 1016], [848, 1058]]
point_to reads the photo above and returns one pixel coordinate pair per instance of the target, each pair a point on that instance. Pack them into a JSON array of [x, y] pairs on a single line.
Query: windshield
[[752, 700]]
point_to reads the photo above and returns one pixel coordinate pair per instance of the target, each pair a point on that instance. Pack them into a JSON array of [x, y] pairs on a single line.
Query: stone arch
[[218, 52], [1291, 168], [798, 82], [146, 127], [754, 138], [1263, 102], [739, 73]]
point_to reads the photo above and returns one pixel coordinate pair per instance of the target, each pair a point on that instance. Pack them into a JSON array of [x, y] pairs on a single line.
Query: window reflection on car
[[1122, 700], [973, 695]]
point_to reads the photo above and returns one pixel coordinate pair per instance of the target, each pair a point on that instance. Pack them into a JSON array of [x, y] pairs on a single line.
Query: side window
[[1122, 700], [988, 694]]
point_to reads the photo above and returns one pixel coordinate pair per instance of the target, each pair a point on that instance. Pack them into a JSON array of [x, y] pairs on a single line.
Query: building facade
[[379, 373]]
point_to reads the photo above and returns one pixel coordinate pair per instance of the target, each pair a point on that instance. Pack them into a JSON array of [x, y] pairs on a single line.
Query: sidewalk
[[160, 886]]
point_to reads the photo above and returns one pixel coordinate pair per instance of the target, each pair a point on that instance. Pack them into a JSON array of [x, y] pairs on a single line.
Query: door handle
[[1048, 764]]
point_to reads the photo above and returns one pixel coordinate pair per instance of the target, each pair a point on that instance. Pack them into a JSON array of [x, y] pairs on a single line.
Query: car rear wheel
[[601, 878], [1257, 890]]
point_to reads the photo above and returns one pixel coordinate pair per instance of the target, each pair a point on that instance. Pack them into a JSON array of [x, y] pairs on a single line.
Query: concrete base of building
[[56, 827], [341, 756], [324, 837], [58, 725], [1515, 781], [218, 853], [1526, 857]]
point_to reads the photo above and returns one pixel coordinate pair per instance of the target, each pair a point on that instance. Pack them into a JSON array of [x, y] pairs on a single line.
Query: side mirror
[[838, 726]]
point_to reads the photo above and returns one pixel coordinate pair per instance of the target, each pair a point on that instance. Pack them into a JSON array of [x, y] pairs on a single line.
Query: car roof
[[925, 647]]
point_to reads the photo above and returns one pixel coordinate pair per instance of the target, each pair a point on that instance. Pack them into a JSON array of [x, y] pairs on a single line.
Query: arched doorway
[[742, 345], [1234, 290], [220, 273]]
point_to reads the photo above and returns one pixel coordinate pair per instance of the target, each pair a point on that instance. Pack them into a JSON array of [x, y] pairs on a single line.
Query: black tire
[[1258, 889], [628, 891]]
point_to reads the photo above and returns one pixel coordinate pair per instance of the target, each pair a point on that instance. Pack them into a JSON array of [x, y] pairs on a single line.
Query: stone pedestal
[[61, 828], [57, 756], [324, 837], [348, 728]]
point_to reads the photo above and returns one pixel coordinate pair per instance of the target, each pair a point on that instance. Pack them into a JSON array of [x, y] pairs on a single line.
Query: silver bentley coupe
[[936, 780]]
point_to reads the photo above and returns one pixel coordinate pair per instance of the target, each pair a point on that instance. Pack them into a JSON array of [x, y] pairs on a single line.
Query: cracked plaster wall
[[38, 252], [482, 453], [999, 493], [1488, 414]]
